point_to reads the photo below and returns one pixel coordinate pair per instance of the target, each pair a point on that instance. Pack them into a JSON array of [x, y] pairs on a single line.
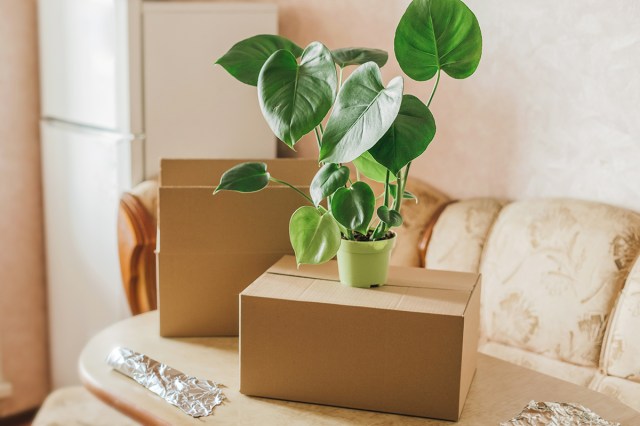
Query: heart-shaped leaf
[[406, 195], [358, 56], [353, 207], [245, 177], [363, 113], [314, 234], [389, 216], [438, 34], [245, 59], [368, 166], [329, 178], [409, 136], [295, 98]]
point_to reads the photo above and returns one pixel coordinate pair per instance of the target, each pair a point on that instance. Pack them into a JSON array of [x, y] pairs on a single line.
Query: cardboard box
[[211, 247], [408, 348]]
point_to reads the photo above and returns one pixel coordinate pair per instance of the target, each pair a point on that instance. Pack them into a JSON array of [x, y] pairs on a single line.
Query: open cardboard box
[[211, 247], [408, 347]]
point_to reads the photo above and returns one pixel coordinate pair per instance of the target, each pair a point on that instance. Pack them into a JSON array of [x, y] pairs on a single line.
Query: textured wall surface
[[551, 112], [22, 282]]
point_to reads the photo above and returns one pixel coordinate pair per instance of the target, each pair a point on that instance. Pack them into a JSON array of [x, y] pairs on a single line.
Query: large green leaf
[[295, 98], [438, 34], [368, 166], [245, 59], [363, 113], [353, 207], [245, 177], [329, 178], [389, 216], [358, 56], [408, 137], [315, 236]]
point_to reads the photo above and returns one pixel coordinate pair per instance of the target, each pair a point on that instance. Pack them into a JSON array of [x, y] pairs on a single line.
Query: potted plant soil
[[377, 127]]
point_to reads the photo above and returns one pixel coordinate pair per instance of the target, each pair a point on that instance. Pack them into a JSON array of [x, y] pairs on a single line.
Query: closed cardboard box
[[211, 247], [408, 347]]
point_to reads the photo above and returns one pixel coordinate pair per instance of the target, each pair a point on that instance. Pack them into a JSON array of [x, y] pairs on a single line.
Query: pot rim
[[371, 242], [368, 247]]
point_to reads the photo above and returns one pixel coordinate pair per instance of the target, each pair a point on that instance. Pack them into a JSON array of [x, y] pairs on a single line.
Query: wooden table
[[499, 391]]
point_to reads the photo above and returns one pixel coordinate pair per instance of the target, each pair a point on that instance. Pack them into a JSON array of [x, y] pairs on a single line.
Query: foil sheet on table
[[194, 396], [557, 414]]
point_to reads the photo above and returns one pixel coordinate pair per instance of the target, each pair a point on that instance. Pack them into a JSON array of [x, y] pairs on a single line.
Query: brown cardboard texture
[[211, 247], [408, 347]]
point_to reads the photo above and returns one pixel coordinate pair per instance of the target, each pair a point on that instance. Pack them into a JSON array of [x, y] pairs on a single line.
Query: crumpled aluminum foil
[[195, 397], [557, 414]]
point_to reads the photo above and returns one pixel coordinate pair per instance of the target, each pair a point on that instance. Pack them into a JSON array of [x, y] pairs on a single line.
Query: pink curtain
[[23, 335]]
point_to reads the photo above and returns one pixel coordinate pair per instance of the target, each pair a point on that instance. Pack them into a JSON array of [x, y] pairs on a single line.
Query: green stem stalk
[[399, 191], [318, 137], [386, 188], [272, 179], [435, 87], [381, 229]]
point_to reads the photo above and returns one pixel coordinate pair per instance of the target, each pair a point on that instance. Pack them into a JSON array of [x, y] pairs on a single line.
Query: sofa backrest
[[553, 271]]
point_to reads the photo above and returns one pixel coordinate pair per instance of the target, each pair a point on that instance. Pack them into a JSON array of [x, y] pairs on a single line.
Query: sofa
[[560, 289], [561, 280]]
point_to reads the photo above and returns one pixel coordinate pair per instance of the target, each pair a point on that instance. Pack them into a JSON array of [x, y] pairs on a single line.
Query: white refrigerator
[[123, 84]]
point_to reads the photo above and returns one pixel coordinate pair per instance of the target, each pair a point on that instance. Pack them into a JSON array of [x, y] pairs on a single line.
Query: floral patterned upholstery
[[563, 370], [459, 235], [553, 270], [621, 356], [624, 390]]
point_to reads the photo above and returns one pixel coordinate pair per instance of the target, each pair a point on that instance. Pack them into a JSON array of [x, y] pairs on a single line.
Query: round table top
[[499, 391]]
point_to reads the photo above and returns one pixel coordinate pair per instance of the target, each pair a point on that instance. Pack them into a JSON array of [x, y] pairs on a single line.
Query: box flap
[[410, 289], [207, 172]]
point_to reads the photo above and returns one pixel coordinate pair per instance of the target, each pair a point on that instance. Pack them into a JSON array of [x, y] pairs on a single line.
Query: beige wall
[[22, 283], [551, 112]]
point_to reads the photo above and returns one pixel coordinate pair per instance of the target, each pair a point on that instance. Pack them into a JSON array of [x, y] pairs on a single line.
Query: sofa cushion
[[621, 353], [624, 390], [571, 373], [460, 234], [552, 270]]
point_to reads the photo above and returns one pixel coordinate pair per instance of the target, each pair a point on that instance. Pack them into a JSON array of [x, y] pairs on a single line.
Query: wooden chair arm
[[136, 249]]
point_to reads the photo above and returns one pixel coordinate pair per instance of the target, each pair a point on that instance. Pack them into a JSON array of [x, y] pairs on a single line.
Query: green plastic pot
[[364, 263]]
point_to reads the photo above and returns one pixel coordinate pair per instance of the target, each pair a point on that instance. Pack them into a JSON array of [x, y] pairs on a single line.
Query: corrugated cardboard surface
[[408, 347], [211, 247]]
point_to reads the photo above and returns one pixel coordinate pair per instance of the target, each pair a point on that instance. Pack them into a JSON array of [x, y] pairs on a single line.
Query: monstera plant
[[375, 126]]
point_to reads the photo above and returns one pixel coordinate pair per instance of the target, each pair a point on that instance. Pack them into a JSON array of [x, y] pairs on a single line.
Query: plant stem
[[381, 229], [340, 79], [397, 203], [294, 188], [321, 129], [404, 185], [318, 137], [386, 189], [435, 87]]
